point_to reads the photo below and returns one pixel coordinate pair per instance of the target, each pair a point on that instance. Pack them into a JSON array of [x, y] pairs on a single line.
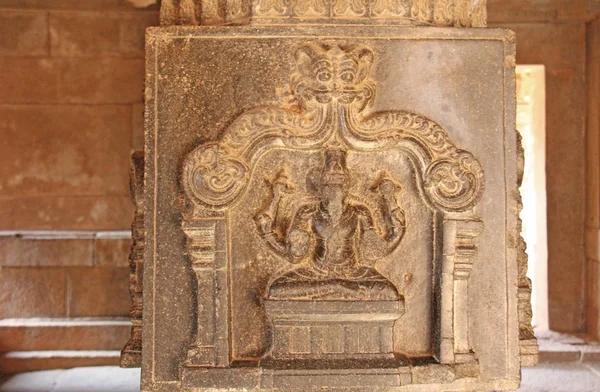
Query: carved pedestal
[[330, 331]]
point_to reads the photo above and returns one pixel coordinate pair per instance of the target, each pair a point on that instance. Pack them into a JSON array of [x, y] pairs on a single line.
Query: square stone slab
[[330, 207]]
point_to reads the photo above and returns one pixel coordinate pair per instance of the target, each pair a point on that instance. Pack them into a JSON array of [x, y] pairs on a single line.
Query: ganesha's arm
[[372, 244], [396, 222], [265, 221], [272, 239], [375, 242], [393, 214], [298, 237]]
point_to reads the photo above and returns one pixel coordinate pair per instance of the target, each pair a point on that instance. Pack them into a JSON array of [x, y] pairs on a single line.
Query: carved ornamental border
[[449, 13]]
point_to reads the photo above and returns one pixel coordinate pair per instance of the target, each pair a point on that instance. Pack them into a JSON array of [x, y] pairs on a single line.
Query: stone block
[[315, 208], [67, 334], [590, 353], [112, 251], [133, 33], [102, 81], [33, 292], [64, 150], [71, 80], [551, 351], [23, 33], [21, 73], [593, 127], [75, 34], [45, 252], [98, 292], [66, 212]]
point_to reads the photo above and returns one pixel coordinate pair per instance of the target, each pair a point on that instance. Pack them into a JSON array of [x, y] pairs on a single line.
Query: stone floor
[[547, 377]]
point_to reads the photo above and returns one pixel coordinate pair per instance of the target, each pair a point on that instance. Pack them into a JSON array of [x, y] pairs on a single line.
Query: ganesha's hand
[[281, 184], [388, 187], [280, 189], [264, 223], [297, 244]]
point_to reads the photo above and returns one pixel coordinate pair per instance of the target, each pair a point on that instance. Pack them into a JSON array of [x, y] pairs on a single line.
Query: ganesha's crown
[[332, 71]]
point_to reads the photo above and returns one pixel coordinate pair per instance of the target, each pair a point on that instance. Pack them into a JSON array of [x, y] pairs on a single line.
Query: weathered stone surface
[[26, 72], [66, 212], [542, 11], [405, 279], [23, 33], [46, 252], [59, 161], [111, 250], [28, 292], [88, 292], [89, 5], [19, 362], [115, 81], [71, 80], [42, 335], [99, 34], [593, 179]]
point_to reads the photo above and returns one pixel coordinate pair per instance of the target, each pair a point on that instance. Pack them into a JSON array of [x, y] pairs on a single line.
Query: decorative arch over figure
[[332, 92]]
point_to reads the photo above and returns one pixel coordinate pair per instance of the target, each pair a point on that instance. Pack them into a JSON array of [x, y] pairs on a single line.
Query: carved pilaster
[[131, 355], [459, 252], [206, 252]]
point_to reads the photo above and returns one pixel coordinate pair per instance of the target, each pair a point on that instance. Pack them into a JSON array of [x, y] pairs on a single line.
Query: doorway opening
[[531, 123]]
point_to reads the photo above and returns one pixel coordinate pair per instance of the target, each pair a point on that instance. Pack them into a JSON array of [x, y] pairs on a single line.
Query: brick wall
[[71, 86]]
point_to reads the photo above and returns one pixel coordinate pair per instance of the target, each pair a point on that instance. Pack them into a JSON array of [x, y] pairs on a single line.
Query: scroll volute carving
[[333, 89]]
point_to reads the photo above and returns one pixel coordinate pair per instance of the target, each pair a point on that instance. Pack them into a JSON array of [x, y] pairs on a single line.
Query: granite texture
[[332, 207]]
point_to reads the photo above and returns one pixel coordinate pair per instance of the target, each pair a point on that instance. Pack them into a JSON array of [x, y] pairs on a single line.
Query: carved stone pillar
[[330, 197]]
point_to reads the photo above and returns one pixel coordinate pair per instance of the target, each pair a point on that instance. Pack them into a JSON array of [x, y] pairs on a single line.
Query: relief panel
[[330, 209]]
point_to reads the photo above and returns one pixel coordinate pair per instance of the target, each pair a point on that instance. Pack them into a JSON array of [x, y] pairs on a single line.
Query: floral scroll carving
[[456, 13], [214, 177], [333, 89], [454, 183]]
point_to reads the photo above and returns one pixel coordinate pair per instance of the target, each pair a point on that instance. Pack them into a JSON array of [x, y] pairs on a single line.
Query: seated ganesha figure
[[332, 241]]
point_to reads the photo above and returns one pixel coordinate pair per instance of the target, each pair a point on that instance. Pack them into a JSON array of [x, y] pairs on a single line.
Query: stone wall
[[593, 179], [553, 33], [71, 112]]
